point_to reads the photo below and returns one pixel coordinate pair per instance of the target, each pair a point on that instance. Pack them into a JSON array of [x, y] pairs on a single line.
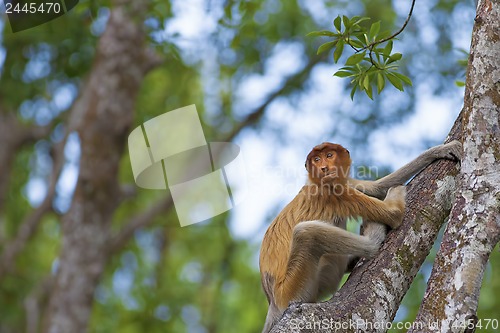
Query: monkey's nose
[[324, 169]]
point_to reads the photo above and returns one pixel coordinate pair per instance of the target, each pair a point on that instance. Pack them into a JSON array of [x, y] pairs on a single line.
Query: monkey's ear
[[347, 151]]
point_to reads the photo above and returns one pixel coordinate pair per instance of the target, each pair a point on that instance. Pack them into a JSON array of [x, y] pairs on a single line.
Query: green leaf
[[338, 51], [358, 20], [359, 34], [361, 38], [356, 43], [354, 18], [349, 69], [367, 41], [369, 92], [460, 83], [380, 82], [374, 30], [355, 58], [322, 33], [395, 57], [346, 22], [395, 81], [403, 78], [326, 46], [387, 49], [341, 73], [366, 82], [338, 23], [353, 90]]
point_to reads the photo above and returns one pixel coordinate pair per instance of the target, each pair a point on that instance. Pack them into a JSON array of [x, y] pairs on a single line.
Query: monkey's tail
[[273, 314]]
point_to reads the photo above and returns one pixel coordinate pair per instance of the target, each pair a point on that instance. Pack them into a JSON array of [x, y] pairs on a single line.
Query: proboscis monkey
[[306, 249]]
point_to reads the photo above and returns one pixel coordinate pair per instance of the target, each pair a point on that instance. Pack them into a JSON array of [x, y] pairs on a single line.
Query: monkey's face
[[328, 163]]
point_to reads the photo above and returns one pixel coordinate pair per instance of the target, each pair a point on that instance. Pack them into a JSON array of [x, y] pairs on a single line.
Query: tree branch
[[371, 45], [474, 227], [137, 222], [14, 135], [30, 224]]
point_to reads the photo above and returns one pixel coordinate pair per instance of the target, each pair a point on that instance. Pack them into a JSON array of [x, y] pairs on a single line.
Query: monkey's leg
[[311, 240], [373, 230], [331, 270], [332, 267], [379, 188]]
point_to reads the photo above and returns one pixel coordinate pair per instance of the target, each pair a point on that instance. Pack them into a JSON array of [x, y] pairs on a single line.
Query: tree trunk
[[102, 117], [450, 302]]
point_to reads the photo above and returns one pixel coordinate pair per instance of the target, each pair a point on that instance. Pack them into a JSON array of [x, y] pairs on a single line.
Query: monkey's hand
[[330, 178], [449, 151], [395, 198], [396, 193]]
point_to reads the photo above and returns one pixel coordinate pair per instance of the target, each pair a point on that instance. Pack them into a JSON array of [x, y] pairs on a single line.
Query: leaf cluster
[[373, 62]]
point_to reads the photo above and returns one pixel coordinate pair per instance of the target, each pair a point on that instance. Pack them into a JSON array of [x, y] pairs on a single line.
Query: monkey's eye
[[316, 159], [329, 155]]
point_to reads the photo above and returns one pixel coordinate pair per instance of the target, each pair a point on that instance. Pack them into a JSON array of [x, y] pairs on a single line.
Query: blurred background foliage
[[227, 57]]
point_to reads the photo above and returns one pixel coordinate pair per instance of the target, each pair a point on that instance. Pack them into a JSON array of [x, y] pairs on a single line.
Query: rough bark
[[102, 117], [382, 282], [452, 294]]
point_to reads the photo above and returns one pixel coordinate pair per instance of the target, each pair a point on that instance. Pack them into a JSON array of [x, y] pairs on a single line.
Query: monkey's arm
[[378, 188], [390, 211]]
